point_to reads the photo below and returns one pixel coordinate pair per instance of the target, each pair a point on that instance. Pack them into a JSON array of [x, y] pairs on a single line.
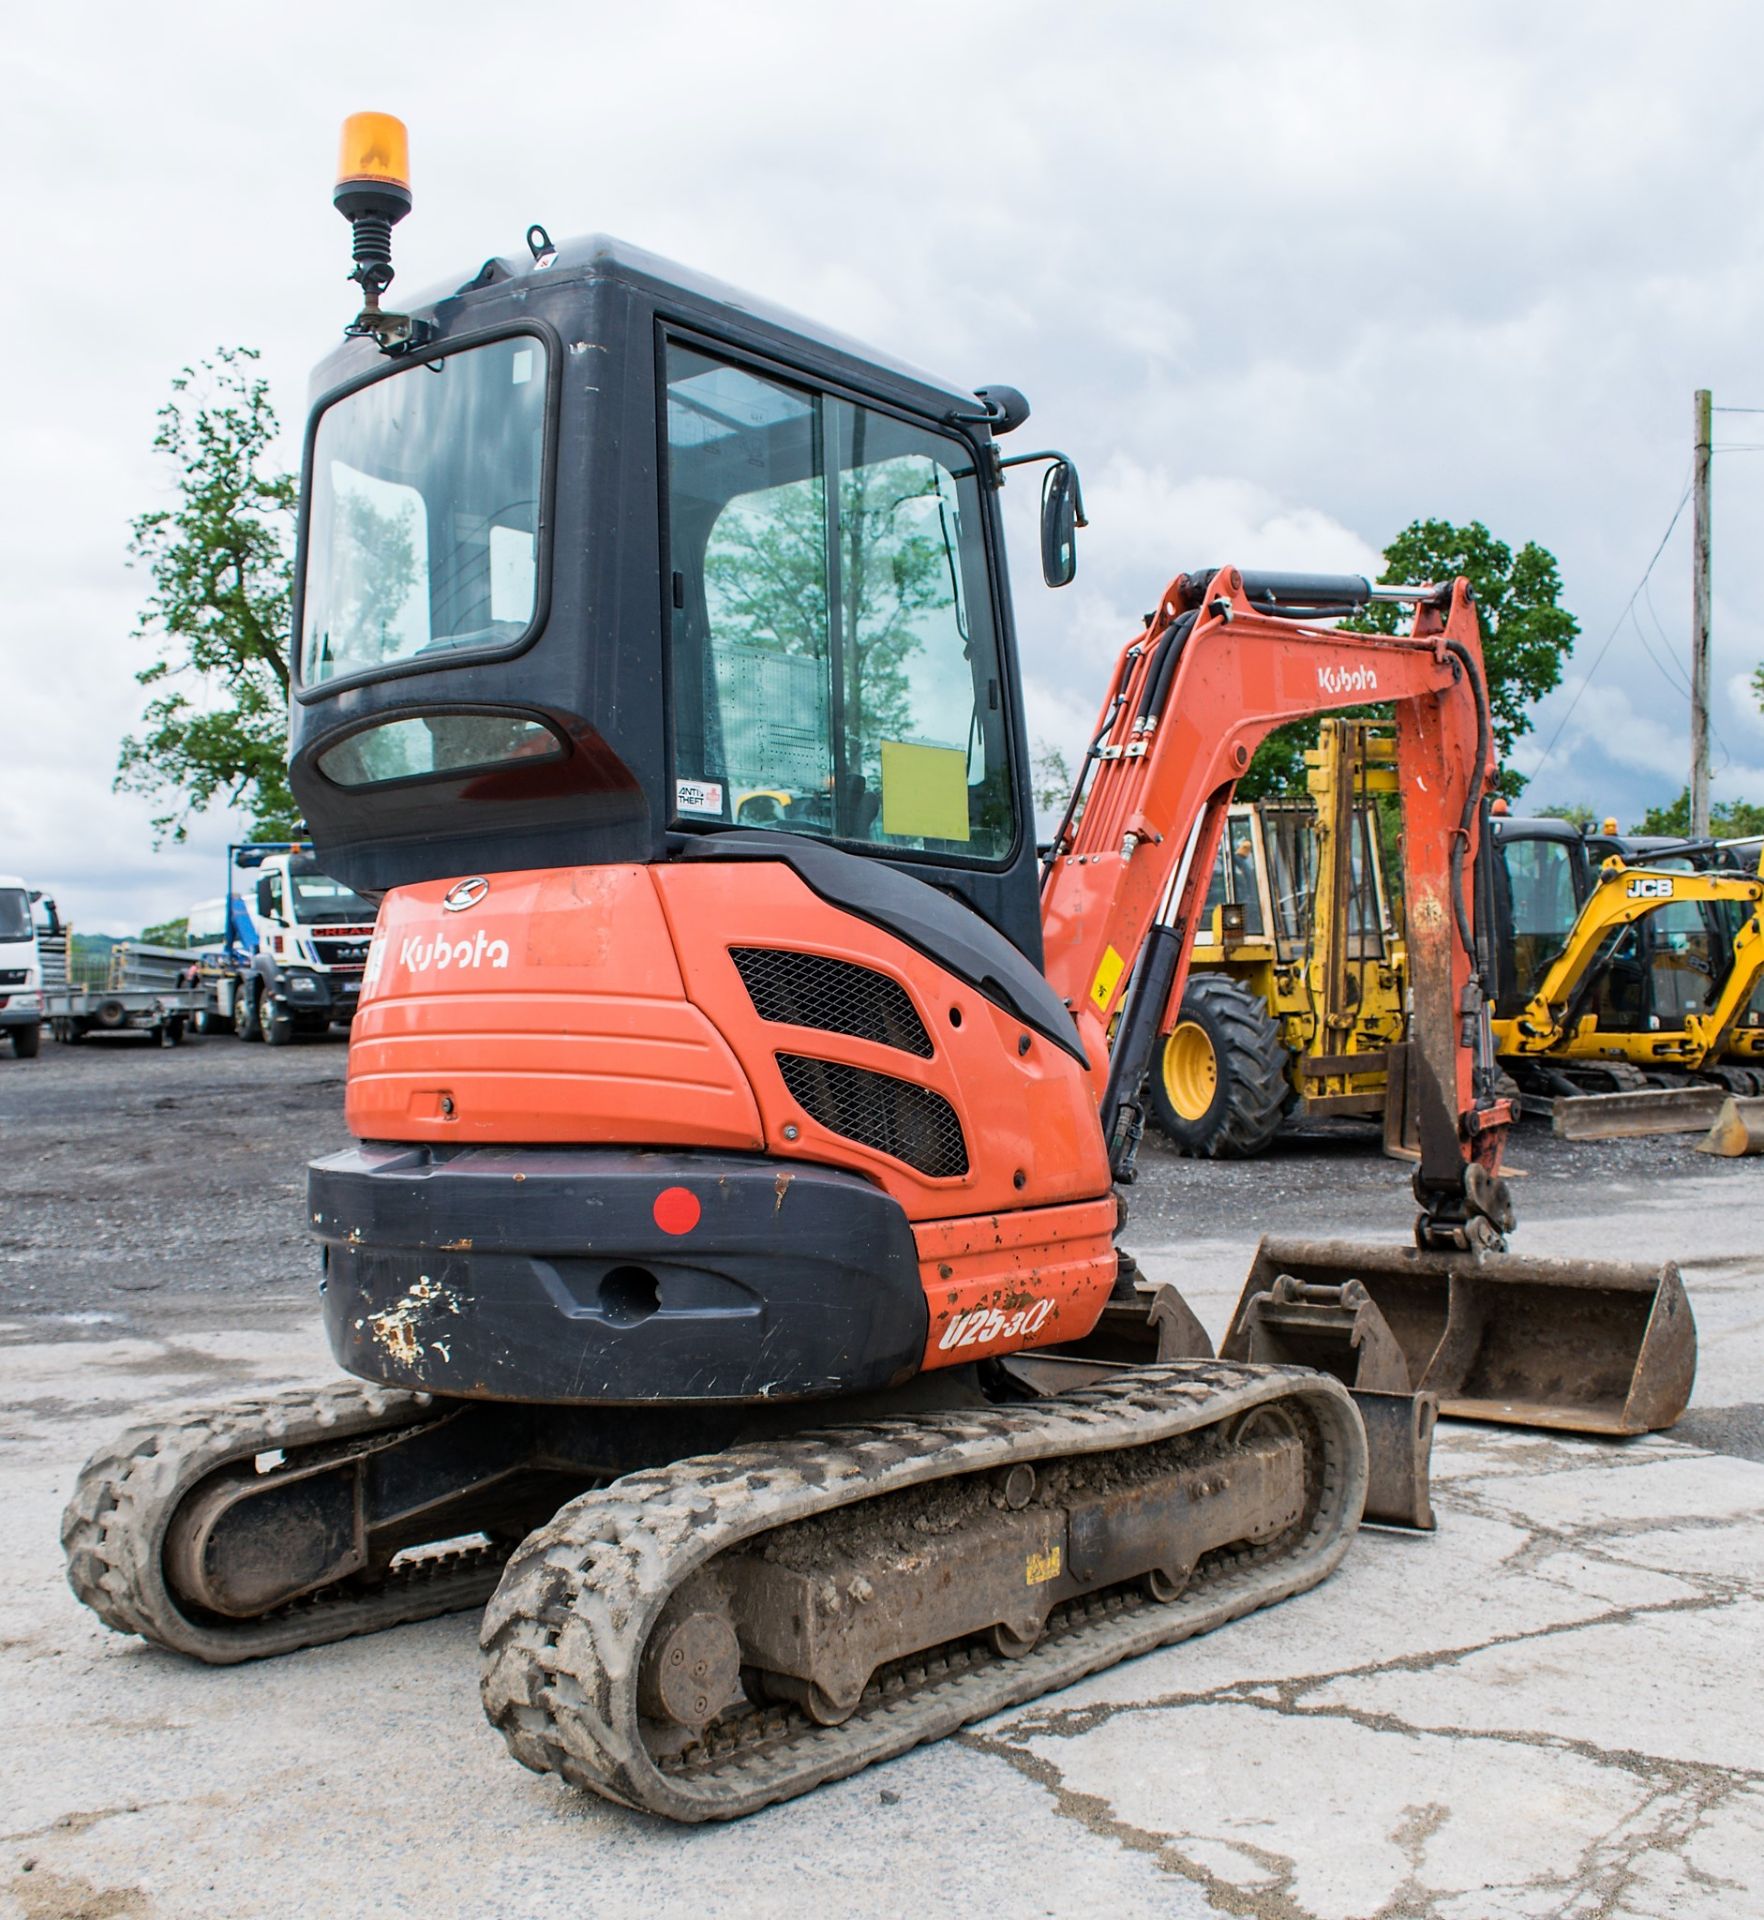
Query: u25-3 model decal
[[982, 1325]]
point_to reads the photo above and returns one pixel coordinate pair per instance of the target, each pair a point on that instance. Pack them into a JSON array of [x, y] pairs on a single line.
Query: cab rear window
[[434, 745], [423, 524]]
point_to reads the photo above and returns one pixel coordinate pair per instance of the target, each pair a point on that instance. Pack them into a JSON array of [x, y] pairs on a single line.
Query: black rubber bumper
[[548, 1274]]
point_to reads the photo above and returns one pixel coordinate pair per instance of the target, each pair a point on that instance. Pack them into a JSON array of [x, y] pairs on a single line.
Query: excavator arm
[[1227, 657], [1625, 894]]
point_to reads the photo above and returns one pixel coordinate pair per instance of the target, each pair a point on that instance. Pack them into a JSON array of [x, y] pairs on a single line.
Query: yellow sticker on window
[[1108, 978], [924, 792]]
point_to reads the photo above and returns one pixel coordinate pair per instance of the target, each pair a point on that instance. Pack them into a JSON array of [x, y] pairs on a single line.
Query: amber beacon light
[[373, 195]]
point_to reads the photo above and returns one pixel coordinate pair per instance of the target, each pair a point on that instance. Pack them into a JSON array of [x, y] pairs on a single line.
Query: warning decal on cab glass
[[699, 796]]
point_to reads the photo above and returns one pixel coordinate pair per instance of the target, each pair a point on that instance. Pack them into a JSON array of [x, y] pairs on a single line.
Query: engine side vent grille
[[814, 990], [913, 1124]]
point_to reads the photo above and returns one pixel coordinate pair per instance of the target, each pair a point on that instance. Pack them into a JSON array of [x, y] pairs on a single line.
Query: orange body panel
[[600, 1006], [551, 1013], [1027, 1114], [1006, 1281]]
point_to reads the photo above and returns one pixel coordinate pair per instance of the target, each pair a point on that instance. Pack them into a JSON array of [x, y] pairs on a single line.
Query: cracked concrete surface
[[1553, 1707]]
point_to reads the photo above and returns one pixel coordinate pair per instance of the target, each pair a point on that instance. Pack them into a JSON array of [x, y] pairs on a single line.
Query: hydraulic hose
[[1473, 793]]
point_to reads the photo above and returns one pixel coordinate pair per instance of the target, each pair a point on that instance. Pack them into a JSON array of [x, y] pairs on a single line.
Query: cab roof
[[600, 256]]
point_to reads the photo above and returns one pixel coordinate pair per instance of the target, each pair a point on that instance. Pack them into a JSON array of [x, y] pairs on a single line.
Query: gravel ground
[[142, 1181]]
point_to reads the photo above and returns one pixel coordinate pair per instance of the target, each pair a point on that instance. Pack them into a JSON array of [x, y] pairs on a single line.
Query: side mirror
[[1062, 514], [266, 899]]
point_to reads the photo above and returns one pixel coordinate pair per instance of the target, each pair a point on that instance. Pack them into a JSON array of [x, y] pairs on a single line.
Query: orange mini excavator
[[738, 1101]]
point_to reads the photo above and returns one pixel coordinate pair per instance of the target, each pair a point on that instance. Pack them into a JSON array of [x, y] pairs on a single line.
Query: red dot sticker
[[676, 1210]]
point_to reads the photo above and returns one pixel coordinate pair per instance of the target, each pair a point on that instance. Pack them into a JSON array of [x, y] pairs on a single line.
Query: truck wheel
[[277, 1023], [26, 1041], [246, 1006], [111, 1015], [1219, 1085]]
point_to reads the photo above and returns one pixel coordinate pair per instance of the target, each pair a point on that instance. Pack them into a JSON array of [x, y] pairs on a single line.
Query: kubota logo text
[[1339, 680], [436, 955]]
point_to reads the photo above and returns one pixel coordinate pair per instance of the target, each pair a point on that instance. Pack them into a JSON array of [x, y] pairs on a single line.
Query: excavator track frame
[[566, 1633], [128, 1494]]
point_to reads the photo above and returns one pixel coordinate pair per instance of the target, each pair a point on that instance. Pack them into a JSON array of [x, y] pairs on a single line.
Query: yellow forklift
[[1298, 981]]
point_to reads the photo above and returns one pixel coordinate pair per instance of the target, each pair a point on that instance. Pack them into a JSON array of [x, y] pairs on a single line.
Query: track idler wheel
[[691, 1669]]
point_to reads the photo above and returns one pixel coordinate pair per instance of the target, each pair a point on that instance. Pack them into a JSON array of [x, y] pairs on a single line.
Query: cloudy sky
[[1282, 277]]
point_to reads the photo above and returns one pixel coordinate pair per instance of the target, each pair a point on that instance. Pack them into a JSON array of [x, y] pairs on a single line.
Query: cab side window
[[835, 670]]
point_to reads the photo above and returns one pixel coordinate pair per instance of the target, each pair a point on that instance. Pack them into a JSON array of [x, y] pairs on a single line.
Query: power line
[[1673, 677], [1617, 627]]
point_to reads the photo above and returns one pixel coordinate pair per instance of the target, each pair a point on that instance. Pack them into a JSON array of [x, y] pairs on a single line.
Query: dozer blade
[[1585, 1346], [1339, 1330], [1628, 1116], [1738, 1129]]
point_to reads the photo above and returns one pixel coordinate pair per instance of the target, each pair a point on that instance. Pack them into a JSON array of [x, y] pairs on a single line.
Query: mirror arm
[[1051, 453]]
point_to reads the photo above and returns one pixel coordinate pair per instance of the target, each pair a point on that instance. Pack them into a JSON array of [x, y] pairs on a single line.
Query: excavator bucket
[[1738, 1129], [1586, 1346]]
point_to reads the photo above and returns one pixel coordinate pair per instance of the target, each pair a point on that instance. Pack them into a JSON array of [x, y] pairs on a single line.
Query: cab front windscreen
[[319, 899], [423, 517]]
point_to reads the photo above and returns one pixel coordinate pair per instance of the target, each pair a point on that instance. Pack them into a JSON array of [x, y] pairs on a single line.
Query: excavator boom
[[1228, 658]]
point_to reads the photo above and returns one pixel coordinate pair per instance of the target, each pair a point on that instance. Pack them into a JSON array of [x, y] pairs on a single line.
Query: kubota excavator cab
[[610, 553]]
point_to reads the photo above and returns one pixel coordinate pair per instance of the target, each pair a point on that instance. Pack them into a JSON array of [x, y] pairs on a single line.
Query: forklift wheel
[[1219, 1086]]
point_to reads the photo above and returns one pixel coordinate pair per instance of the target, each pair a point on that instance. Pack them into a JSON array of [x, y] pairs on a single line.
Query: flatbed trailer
[[165, 1014], [147, 992]]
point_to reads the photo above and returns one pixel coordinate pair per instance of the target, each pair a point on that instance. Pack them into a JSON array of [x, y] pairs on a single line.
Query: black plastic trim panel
[[545, 1274]]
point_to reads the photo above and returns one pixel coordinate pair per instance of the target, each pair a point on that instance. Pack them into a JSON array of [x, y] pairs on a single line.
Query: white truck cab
[[21, 970], [294, 945]]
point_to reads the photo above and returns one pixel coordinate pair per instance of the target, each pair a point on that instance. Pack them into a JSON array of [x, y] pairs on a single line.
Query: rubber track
[[114, 1528], [563, 1634]]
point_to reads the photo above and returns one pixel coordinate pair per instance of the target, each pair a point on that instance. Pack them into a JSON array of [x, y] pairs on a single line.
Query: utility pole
[[1699, 772]]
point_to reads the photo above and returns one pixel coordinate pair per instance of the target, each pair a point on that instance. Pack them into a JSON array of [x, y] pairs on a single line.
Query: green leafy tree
[[169, 933], [1576, 812], [215, 728], [1526, 637], [1050, 777], [1728, 819]]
